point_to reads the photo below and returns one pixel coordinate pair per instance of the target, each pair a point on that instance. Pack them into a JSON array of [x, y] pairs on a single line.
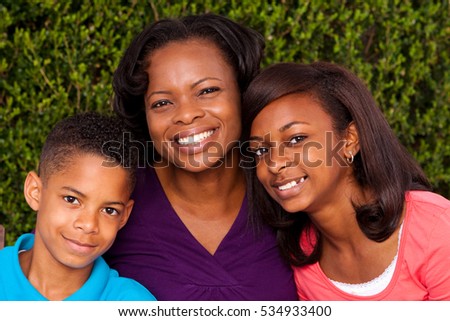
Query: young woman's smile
[[294, 140]]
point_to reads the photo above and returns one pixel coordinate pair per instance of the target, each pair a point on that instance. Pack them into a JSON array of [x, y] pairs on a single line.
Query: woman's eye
[[296, 140], [209, 90], [160, 103], [111, 211], [71, 200]]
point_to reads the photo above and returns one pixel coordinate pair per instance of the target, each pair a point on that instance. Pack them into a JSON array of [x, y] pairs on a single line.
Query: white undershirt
[[375, 285]]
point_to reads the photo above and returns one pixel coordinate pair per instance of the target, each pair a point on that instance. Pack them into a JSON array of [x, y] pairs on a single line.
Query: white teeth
[[290, 184], [195, 138], [287, 186]]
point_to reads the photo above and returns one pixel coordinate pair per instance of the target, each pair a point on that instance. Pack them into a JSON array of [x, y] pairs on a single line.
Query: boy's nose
[[87, 221]]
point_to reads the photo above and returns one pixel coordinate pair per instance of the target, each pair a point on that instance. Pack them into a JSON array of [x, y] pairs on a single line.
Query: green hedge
[[57, 58]]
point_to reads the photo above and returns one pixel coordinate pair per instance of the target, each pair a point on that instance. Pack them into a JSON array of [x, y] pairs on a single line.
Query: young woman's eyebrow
[[289, 125], [282, 129], [257, 138]]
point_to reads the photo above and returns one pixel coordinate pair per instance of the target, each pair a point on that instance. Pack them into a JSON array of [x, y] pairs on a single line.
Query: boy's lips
[[80, 247]]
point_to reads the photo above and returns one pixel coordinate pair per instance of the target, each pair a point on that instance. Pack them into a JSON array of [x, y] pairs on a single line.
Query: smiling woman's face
[[300, 160], [192, 104]]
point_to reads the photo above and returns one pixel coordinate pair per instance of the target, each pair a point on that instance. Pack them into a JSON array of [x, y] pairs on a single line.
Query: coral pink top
[[422, 271]]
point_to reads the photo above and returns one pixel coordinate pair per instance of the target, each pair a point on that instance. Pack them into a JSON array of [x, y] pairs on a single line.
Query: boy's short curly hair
[[89, 133]]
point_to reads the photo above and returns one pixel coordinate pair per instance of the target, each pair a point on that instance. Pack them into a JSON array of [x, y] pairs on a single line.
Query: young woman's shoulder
[[427, 222], [426, 247], [425, 201]]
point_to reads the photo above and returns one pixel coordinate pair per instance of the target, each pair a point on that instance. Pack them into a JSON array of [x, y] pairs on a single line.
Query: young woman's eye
[[111, 211], [260, 151], [209, 90], [297, 139], [160, 103], [71, 200]]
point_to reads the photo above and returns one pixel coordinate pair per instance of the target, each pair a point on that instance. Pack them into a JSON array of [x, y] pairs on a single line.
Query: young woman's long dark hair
[[382, 166]]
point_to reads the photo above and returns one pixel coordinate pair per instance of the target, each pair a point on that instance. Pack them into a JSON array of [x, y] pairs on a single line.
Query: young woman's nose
[[279, 159]]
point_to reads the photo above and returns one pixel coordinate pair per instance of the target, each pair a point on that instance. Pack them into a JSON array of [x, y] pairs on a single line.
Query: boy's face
[[79, 210]]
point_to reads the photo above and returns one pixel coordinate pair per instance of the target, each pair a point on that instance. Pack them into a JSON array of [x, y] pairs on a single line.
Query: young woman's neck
[[337, 220]]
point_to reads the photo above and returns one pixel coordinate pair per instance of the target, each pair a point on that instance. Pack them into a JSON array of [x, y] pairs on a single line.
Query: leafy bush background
[[57, 58]]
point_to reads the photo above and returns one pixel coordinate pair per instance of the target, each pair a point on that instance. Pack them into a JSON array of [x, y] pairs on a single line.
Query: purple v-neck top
[[156, 249]]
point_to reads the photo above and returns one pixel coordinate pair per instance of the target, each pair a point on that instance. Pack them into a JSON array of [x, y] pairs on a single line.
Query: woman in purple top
[[190, 236]]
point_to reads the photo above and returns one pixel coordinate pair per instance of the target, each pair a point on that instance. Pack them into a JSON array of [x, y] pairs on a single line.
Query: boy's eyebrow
[[73, 190], [115, 203]]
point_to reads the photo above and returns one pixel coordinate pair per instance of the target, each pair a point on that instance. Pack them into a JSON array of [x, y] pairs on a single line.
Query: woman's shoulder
[[147, 182]]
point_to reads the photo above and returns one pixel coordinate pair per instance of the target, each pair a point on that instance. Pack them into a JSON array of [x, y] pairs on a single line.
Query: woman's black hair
[[382, 166], [242, 48]]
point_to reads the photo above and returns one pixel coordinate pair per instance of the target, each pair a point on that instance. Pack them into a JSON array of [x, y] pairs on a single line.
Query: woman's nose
[[187, 111]]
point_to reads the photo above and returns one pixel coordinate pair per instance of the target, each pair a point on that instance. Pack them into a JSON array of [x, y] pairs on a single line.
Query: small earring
[[351, 158]]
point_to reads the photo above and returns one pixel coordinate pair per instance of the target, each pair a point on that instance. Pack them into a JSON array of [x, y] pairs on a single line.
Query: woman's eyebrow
[[147, 97], [204, 79]]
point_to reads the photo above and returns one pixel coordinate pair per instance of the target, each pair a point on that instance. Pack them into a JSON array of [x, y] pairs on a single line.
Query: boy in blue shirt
[[82, 198]]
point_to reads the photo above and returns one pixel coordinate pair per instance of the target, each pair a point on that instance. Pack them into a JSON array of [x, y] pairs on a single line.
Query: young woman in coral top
[[354, 213]]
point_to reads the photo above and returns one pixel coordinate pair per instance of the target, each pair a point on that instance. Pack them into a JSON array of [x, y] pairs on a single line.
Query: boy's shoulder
[[23, 243], [109, 286], [104, 284], [13, 283]]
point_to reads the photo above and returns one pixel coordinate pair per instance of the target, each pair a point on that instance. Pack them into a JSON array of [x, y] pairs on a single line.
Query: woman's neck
[[222, 182], [207, 202]]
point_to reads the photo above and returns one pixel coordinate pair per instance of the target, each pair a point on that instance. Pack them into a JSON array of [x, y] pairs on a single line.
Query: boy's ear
[[351, 141], [126, 213], [32, 189]]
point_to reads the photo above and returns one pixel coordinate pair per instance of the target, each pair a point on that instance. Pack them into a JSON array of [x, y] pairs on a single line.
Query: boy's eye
[[71, 200], [111, 211], [297, 139], [209, 90]]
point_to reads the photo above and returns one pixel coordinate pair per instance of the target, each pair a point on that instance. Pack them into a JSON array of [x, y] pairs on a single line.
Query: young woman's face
[[192, 104], [300, 159], [80, 210]]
